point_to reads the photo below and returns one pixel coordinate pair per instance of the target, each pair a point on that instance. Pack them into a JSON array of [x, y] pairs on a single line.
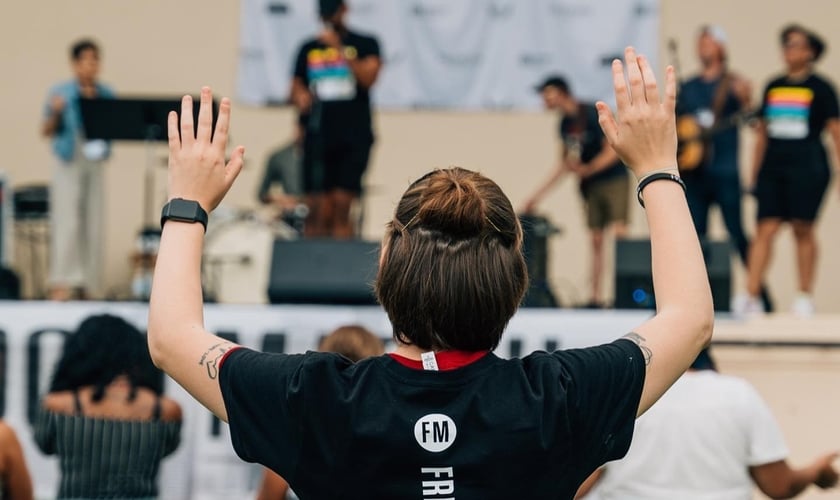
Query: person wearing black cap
[[791, 170], [710, 436], [604, 182], [333, 75]]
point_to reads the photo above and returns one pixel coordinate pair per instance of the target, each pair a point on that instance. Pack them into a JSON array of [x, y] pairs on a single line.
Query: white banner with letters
[[205, 466], [469, 54]]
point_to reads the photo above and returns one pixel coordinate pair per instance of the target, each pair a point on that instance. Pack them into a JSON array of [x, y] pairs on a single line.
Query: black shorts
[[329, 165], [792, 183]]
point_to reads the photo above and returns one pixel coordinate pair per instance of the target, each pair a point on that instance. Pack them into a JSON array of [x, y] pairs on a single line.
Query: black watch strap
[[183, 210]]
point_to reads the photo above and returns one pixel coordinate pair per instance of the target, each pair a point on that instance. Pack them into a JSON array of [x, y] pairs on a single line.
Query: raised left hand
[[197, 169]]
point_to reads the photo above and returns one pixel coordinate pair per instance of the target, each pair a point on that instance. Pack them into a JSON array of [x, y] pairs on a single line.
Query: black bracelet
[[655, 177]]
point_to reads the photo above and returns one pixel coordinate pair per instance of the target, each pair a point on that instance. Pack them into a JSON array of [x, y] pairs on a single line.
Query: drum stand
[[148, 239]]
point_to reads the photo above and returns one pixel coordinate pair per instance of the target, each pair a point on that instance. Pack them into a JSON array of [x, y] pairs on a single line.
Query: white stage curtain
[[464, 54]]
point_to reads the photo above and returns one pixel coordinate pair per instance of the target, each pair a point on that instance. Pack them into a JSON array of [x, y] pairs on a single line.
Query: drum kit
[[237, 251]]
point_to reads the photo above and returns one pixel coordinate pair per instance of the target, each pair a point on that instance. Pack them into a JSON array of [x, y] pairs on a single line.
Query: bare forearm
[[558, 173], [603, 160], [679, 272], [175, 307], [365, 71], [758, 153], [50, 125], [800, 480], [835, 141]]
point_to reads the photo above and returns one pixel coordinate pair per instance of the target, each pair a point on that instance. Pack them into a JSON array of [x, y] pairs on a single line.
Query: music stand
[[135, 119], [138, 119]]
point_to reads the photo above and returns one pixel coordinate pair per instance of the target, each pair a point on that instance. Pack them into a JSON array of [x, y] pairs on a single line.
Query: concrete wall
[[158, 47]]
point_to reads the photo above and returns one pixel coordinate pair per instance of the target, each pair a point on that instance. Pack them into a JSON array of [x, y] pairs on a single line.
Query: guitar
[[692, 139]]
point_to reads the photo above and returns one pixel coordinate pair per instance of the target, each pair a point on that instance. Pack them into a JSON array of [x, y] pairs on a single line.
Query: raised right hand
[[197, 168], [643, 132]]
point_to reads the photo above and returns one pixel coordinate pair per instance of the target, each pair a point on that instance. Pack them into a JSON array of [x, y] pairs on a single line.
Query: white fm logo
[[435, 432]]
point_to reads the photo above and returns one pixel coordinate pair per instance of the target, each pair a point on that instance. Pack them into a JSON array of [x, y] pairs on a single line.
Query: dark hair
[[103, 348], [815, 42], [82, 45], [353, 342], [328, 8], [452, 272], [556, 81]]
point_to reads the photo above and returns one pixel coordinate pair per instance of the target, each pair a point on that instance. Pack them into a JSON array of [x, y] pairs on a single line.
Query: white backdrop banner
[[205, 466], [469, 54]]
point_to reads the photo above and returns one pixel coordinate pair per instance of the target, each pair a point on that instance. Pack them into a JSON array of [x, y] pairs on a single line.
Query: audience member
[[15, 482], [441, 414], [105, 416], [709, 436], [354, 343]]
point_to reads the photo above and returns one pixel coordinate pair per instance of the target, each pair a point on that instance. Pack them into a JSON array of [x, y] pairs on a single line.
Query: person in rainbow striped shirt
[[791, 169]]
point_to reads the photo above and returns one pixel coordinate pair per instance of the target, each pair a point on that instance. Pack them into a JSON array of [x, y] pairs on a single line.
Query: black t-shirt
[[796, 112], [522, 428], [582, 132], [341, 107]]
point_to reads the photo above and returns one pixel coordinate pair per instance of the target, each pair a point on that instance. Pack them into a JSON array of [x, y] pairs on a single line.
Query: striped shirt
[[106, 458]]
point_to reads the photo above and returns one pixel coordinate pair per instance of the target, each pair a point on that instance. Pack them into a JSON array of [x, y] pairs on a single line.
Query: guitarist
[[712, 98]]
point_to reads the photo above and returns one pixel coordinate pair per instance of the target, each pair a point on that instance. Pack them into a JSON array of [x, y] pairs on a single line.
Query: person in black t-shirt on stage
[[441, 416], [604, 182], [791, 170], [333, 75]]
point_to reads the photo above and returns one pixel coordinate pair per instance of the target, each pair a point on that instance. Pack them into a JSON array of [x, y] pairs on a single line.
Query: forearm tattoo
[[641, 342], [210, 358]]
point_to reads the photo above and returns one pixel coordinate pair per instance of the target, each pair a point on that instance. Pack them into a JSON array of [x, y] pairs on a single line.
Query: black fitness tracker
[[182, 210]]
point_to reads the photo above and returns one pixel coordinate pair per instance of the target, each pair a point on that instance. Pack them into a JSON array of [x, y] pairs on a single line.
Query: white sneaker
[[746, 306], [803, 306]]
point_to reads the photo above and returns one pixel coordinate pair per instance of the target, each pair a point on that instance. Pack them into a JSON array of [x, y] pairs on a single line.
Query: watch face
[[184, 209]]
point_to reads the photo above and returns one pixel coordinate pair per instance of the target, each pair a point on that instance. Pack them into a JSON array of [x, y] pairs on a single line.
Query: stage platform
[[794, 363]]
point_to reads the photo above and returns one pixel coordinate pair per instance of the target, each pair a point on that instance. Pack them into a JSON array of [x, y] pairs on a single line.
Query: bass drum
[[237, 257]]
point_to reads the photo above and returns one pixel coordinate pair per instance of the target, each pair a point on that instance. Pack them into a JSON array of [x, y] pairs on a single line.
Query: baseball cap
[[716, 32], [553, 81]]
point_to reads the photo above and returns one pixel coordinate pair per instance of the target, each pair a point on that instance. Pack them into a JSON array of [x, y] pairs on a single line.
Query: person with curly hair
[[105, 415]]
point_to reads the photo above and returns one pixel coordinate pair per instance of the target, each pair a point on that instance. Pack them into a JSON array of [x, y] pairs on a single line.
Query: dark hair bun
[[451, 203]]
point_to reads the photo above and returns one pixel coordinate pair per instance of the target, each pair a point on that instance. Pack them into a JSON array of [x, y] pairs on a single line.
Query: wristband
[[181, 210], [656, 176]]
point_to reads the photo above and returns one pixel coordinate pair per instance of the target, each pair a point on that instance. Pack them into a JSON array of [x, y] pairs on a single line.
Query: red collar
[[446, 360]]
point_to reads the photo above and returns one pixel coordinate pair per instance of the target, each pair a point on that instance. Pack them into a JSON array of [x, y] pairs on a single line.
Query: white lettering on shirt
[[443, 485], [435, 432]]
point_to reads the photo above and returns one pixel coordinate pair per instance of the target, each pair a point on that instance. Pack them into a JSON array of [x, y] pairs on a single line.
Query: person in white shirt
[[710, 437]]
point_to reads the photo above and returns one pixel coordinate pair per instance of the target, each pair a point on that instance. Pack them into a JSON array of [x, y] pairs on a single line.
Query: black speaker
[[536, 231], [325, 271], [634, 283]]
